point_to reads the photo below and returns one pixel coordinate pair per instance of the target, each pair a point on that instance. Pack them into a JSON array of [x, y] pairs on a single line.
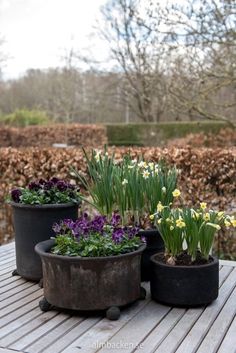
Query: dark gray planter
[[92, 283], [32, 224], [154, 244], [184, 286]]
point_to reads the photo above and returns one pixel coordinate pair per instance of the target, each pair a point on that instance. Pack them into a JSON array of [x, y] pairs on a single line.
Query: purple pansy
[[115, 220], [15, 195], [61, 185], [34, 186], [118, 235]]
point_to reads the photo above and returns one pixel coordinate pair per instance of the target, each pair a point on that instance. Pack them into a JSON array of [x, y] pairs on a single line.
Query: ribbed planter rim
[[152, 258], [44, 206], [50, 243]]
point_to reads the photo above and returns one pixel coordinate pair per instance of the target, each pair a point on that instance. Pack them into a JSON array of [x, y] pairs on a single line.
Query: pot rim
[[149, 231], [44, 206], [39, 248], [160, 263]]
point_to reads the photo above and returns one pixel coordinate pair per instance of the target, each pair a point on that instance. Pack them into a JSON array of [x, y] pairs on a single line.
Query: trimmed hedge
[[46, 136], [206, 175], [157, 134]]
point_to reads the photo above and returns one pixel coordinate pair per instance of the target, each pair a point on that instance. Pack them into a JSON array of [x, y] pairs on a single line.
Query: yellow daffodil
[[176, 193], [220, 214], [206, 217], [142, 164], [203, 205], [180, 223], [159, 207], [233, 222], [151, 165], [151, 217], [159, 221], [227, 223], [172, 228]]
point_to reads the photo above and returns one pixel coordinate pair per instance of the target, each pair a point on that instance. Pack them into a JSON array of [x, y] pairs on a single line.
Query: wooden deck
[[144, 327]]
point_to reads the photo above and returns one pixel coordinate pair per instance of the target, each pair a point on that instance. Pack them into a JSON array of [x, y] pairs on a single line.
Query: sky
[[38, 32]]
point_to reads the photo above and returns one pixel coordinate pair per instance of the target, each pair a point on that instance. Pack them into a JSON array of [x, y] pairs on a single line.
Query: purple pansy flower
[[61, 185], [15, 195], [115, 220], [34, 186], [118, 235]]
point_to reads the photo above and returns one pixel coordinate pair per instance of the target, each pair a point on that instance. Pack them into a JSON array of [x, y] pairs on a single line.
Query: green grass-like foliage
[[190, 229], [133, 187]]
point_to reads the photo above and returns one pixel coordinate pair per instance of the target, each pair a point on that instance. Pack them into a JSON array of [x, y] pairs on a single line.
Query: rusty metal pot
[[89, 283]]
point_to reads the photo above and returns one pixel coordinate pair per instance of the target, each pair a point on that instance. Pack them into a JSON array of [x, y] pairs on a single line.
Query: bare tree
[[3, 56], [176, 58], [141, 55], [204, 79]]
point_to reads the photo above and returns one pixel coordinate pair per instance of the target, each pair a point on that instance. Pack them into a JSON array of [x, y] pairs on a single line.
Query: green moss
[[156, 134]]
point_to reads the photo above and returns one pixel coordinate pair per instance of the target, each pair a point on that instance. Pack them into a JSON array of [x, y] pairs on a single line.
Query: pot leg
[[143, 293], [44, 304], [41, 283], [15, 273], [113, 313]]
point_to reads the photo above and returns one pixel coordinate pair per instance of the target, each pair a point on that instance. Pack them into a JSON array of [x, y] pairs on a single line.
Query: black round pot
[[154, 244], [184, 286], [32, 224], [92, 283]]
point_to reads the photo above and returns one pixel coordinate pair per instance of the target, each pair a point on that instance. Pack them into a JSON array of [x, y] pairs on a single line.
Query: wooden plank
[[6, 261], [219, 328], [156, 336], [25, 335], [199, 330], [7, 255], [7, 270], [4, 350], [16, 295], [228, 263], [105, 329], [6, 312], [64, 341], [15, 286], [177, 334], [19, 322], [52, 336], [7, 266], [14, 315], [229, 343], [8, 246], [26, 341], [5, 279], [131, 334], [154, 339]]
